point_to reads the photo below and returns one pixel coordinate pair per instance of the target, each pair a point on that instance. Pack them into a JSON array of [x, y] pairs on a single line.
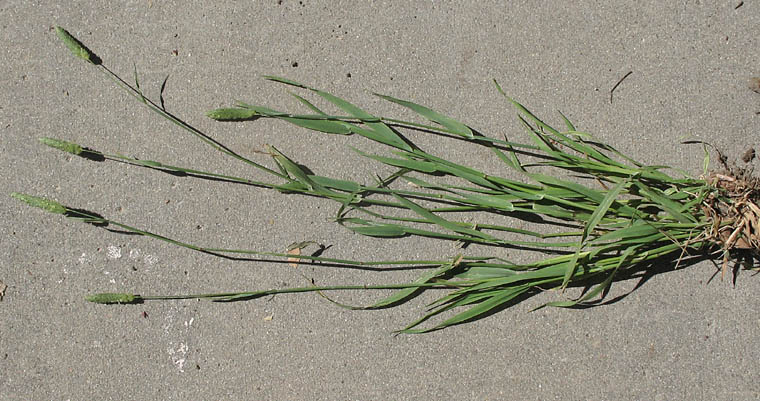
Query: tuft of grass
[[624, 216]]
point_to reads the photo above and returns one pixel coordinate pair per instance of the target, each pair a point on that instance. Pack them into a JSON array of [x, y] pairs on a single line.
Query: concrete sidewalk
[[677, 337]]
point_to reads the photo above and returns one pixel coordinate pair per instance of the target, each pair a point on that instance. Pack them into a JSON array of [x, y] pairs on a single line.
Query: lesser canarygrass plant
[[630, 216]]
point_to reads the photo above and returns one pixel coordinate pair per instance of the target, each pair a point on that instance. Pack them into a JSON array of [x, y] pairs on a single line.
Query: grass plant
[[618, 214]]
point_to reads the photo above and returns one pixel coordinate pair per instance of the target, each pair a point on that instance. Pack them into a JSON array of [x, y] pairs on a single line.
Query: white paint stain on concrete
[[151, 260], [134, 253], [178, 333], [84, 259], [178, 355], [113, 252]]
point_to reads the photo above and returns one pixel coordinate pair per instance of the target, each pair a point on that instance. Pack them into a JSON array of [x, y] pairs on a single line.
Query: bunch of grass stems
[[629, 217]]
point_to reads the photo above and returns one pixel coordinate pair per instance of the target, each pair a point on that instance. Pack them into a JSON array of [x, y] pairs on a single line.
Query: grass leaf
[[403, 294], [595, 218], [378, 131], [451, 124]]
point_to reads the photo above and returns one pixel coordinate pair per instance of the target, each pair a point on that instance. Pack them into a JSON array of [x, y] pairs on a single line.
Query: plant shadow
[[642, 273]]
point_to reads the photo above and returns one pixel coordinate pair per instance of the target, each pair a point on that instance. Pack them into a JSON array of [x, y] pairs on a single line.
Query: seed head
[[65, 146], [233, 114], [42, 203], [76, 47]]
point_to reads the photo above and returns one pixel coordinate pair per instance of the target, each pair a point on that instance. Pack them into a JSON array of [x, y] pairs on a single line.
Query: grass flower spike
[[42, 203], [76, 47], [66, 146]]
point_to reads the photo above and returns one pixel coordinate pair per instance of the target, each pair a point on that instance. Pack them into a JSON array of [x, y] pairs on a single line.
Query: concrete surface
[[675, 338]]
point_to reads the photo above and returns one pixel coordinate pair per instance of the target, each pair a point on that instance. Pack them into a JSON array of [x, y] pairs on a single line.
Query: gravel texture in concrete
[[674, 337]]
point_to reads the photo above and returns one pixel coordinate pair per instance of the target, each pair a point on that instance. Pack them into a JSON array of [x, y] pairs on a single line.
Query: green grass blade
[[405, 293], [486, 272], [568, 124], [565, 140], [602, 209], [494, 301], [474, 176], [440, 221], [416, 165], [377, 131], [604, 286], [511, 160], [371, 229], [341, 185], [669, 206], [638, 229], [308, 104], [595, 218], [326, 124], [451, 124], [302, 176], [137, 86], [493, 202]]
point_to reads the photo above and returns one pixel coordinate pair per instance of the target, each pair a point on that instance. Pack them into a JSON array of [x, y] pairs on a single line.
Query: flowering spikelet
[[42, 203], [232, 114], [66, 146], [76, 47]]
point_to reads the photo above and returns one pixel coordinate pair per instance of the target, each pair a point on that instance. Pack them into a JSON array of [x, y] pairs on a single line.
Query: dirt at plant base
[[734, 211]]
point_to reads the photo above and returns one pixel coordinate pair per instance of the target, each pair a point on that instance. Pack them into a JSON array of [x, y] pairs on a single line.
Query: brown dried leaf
[[295, 250], [294, 261]]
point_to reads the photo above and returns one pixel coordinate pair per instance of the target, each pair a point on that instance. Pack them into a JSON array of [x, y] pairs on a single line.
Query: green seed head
[[42, 203], [76, 47], [65, 146], [232, 114], [111, 298]]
